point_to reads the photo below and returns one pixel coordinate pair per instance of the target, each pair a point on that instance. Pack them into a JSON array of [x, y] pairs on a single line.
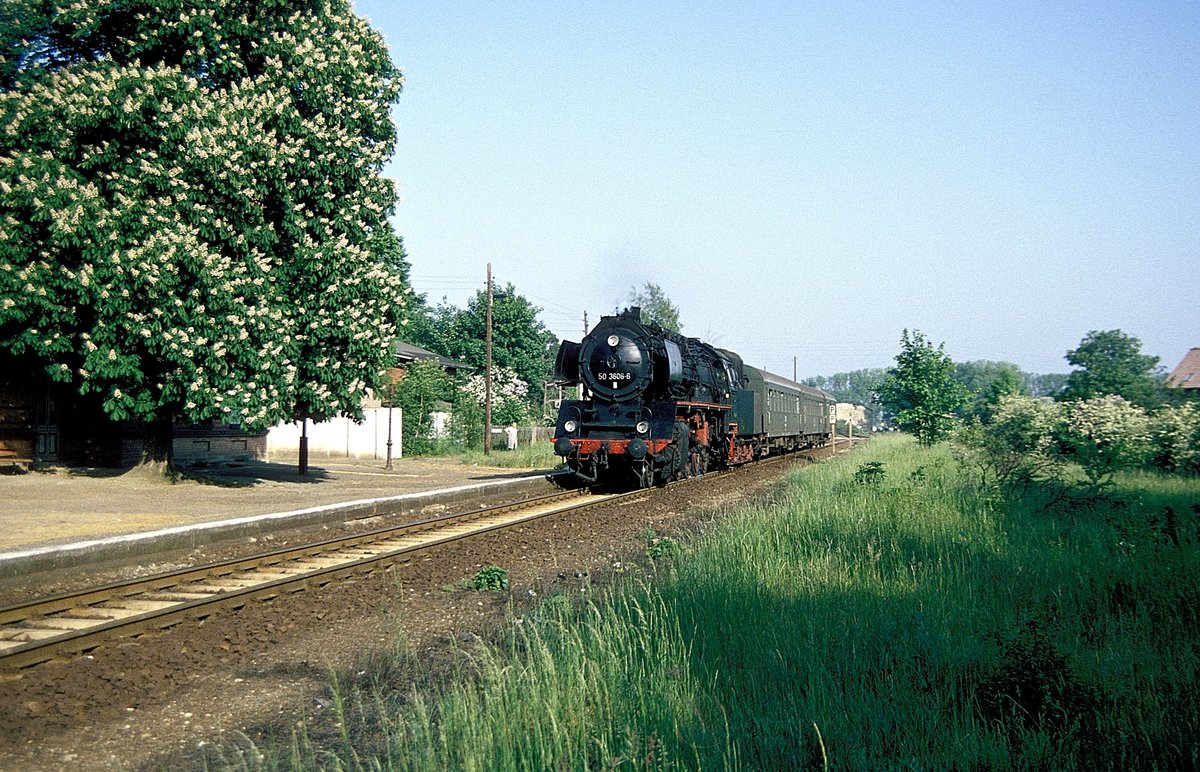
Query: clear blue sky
[[808, 179]]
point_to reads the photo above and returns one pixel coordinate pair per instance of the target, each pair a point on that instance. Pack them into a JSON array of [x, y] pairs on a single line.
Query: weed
[[1031, 685], [664, 548], [870, 474], [493, 578]]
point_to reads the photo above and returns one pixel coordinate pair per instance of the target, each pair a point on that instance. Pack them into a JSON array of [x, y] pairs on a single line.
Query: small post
[[388, 465], [304, 446]]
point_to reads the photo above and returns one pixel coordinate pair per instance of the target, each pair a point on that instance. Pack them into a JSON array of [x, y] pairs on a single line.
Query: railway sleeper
[[130, 607], [67, 623], [26, 634]]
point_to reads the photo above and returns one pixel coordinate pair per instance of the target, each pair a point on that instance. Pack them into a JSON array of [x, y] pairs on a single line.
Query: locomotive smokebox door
[[615, 362]]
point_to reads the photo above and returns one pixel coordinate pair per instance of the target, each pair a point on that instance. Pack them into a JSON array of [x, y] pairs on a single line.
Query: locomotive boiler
[[659, 406]]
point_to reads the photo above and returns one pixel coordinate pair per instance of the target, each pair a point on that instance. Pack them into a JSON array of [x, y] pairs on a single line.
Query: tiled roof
[[407, 352], [1187, 374]]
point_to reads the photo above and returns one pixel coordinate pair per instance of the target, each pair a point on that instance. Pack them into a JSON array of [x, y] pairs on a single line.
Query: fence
[[342, 437], [526, 435]]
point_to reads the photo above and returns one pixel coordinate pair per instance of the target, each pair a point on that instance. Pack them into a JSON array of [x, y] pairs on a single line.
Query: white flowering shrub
[[193, 220], [1175, 438], [1018, 445], [509, 395], [1105, 434]]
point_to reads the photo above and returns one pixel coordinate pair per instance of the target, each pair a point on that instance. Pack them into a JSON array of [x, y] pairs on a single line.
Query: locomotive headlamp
[[570, 426], [642, 427], [613, 340]]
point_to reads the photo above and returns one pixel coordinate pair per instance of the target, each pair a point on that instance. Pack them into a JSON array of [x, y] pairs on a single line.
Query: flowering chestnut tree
[[193, 221]]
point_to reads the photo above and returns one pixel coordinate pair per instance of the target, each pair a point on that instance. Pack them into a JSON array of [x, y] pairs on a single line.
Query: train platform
[[63, 517]]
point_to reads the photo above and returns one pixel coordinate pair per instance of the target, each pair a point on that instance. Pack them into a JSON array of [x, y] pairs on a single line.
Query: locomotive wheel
[[682, 451], [676, 456]]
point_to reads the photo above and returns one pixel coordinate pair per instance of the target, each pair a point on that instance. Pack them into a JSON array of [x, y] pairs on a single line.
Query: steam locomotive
[[658, 406]]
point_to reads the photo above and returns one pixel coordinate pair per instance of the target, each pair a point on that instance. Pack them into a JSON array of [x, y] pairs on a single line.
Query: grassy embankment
[[863, 620], [539, 455]]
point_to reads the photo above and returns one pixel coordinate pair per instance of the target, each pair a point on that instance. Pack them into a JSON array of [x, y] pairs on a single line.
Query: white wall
[[341, 437]]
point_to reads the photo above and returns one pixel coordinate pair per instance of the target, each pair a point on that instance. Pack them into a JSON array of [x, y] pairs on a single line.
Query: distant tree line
[[1107, 363], [1112, 412]]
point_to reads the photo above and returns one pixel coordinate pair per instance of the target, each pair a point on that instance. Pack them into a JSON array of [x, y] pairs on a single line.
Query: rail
[[73, 623]]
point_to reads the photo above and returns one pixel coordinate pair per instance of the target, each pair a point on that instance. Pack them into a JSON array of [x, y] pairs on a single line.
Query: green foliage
[[466, 422], [920, 627], [1110, 362], [1034, 441], [858, 387], [1019, 443], [1104, 435], [491, 578], [536, 455], [1046, 384], [510, 395], [193, 219], [418, 393], [662, 547], [986, 382], [870, 474], [1175, 438], [1030, 685], [520, 341], [921, 392], [656, 307]]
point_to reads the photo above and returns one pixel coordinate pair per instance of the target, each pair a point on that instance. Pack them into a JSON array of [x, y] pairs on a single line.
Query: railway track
[[73, 623]]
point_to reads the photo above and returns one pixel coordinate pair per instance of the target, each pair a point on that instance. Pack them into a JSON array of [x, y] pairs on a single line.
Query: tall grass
[[537, 455], [889, 620]]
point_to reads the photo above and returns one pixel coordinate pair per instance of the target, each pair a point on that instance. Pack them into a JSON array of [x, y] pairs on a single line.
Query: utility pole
[[585, 324], [793, 368], [487, 372]]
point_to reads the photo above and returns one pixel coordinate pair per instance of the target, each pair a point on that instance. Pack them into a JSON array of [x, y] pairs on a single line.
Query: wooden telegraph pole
[[487, 372]]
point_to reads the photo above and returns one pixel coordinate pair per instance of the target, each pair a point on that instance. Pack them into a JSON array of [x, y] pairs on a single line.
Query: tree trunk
[[158, 452]]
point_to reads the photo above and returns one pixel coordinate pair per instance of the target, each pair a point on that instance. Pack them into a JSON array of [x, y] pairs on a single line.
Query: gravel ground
[[151, 703]]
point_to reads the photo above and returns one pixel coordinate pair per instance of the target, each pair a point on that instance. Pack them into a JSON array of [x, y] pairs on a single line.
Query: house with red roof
[[1187, 374]]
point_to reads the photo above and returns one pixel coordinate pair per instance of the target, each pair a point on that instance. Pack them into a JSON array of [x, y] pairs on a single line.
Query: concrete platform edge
[[146, 545]]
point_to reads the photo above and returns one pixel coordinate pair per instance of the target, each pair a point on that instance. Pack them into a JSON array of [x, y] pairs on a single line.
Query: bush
[[1031, 441], [1104, 435], [1175, 439], [870, 474], [1018, 446]]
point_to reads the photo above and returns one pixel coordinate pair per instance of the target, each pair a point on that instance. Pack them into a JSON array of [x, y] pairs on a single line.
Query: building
[[1187, 374], [405, 353], [43, 422]]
